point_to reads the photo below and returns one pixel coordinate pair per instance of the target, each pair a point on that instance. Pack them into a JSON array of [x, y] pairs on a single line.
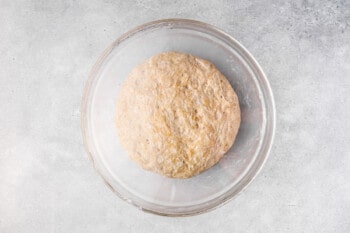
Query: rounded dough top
[[177, 115]]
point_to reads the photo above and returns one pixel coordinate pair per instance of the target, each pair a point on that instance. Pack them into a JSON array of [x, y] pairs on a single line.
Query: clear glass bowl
[[152, 192]]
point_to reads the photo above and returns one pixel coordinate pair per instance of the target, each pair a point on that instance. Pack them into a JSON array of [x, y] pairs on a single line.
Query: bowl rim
[[271, 125]]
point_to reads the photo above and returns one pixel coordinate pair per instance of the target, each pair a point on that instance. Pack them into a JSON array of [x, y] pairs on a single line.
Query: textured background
[[47, 183]]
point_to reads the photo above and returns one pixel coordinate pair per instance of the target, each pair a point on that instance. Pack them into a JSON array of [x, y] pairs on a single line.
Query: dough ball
[[177, 115]]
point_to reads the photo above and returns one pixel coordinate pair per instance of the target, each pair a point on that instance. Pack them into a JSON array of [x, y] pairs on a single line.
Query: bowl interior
[[151, 191]]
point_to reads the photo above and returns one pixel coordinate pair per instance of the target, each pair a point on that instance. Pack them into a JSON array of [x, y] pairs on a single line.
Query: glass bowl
[[149, 191]]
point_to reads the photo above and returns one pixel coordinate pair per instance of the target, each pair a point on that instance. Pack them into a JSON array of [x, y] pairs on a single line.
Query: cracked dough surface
[[177, 115]]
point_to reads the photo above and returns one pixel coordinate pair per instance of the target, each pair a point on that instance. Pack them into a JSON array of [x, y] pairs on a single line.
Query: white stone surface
[[47, 183]]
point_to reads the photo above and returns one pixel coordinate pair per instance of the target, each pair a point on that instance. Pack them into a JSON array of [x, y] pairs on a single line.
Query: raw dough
[[177, 115]]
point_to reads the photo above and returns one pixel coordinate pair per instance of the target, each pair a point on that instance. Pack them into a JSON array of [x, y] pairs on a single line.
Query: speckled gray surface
[[47, 48]]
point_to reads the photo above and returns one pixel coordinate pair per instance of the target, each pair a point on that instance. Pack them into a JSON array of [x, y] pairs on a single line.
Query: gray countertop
[[47, 183]]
